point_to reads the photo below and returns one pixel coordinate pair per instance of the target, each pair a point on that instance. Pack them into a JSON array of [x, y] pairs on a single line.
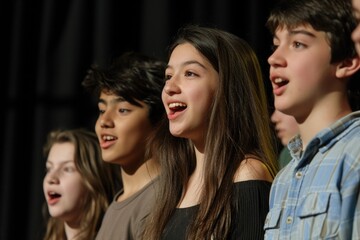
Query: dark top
[[251, 205]]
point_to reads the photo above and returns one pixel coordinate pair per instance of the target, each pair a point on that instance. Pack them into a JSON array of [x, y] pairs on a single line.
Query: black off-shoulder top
[[251, 205]]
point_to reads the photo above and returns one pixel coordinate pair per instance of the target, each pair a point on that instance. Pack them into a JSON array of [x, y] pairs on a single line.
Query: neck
[[322, 118], [71, 230], [194, 186], [136, 180]]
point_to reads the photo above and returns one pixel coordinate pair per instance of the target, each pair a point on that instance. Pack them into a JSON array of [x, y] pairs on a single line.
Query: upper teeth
[[278, 80], [108, 137], [171, 105]]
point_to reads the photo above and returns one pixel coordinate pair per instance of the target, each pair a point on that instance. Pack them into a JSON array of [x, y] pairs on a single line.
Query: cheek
[[75, 187], [304, 68], [163, 97], [307, 74], [138, 131], [356, 34], [44, 187], [97, 127], [133, 132], [203, 95]]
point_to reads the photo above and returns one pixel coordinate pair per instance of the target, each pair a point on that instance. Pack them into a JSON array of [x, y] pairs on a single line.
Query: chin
[[176, 133]]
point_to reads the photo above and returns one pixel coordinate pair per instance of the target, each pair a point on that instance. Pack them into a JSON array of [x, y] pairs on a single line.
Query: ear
[[348, 67]]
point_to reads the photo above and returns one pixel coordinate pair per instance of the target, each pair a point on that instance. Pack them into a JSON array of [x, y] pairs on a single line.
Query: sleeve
[[251, 205]]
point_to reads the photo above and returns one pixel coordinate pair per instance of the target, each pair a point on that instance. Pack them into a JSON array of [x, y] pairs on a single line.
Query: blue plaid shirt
[[317, 195]]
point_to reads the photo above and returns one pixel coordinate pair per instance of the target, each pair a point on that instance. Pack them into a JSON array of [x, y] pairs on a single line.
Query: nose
[[171, 87], [52, 177], [105, 124], [276, 59], [105, 120]]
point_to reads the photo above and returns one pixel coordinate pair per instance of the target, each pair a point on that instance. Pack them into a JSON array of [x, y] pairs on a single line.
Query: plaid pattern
[[317, 195]]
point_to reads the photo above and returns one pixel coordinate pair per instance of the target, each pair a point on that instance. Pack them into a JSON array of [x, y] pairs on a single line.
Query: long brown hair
[[98, 178], [239, 125]]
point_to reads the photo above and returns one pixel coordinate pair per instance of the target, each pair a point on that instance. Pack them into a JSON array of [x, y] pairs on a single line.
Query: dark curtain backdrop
[[47, 47]]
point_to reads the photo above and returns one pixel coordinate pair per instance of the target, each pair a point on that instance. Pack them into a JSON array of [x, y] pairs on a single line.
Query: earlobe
[[348, 67]]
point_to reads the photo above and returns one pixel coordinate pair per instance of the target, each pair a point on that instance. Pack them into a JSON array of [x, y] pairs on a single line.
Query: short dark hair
[[335, 18], [134, 77]]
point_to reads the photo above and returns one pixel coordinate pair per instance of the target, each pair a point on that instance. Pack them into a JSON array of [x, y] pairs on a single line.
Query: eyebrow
[[62, 163], [112, 101], [304, 32], [189, 63], [295, 32]]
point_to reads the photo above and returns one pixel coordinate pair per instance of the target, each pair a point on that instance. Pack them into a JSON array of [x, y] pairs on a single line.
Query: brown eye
[[190, 74]]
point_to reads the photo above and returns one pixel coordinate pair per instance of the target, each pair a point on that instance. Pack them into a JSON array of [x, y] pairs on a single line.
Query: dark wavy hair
[[134, 77]]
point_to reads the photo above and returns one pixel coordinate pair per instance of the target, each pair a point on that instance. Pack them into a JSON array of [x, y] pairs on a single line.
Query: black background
[[46, 48]]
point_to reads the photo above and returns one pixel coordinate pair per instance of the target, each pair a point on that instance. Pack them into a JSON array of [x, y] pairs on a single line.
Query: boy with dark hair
[[314, 62], [130, 108]]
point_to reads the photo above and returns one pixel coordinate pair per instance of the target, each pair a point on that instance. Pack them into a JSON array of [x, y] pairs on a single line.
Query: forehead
[[61, 153], [186, 54], [189, 49]]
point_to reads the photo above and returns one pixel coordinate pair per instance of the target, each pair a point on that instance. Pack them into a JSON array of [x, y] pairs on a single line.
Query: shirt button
[[298, 175], [289, 220]]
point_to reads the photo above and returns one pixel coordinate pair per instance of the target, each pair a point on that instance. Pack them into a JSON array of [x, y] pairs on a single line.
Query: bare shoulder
[[252, 169]]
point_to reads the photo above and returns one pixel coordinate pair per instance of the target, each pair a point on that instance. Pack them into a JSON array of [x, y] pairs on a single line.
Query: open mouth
[[280, 82], [53, 195], [177, 107], [108, 138]]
